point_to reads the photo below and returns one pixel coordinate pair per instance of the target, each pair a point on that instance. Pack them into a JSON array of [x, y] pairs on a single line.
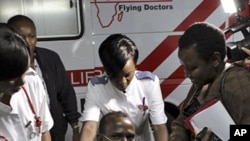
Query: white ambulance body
[[75, 29]]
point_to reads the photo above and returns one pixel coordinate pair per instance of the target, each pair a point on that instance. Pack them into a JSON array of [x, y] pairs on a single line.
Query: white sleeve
[[157, 112], [47, 121], [91, 109], [38, 96]]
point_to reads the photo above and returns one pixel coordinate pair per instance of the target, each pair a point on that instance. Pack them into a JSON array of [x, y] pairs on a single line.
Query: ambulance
[[75, 29]]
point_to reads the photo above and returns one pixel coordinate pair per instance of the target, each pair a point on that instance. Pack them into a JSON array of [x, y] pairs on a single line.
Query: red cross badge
[[143, 107]]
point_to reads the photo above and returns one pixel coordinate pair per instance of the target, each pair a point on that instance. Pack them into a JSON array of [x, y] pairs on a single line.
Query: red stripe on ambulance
[[153, 60]]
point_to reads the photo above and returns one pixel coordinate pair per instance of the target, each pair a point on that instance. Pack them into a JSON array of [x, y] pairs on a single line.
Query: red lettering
[[81, 77]]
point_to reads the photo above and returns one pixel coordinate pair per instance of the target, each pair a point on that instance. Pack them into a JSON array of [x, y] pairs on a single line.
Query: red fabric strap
[[37, 118], [3, 137]]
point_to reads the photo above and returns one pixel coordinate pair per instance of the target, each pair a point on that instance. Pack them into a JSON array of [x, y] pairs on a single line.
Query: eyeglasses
[[118, 138]]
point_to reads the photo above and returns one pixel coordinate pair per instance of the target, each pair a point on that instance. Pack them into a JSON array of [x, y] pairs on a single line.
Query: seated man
[[115, 126]]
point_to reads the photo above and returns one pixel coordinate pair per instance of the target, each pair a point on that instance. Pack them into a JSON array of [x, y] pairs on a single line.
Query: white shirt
[[17, 123], [39, 72], [103, 97]]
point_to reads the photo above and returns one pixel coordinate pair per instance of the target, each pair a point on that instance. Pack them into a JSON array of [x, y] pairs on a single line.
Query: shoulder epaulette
[[145, 75], [99, 80]]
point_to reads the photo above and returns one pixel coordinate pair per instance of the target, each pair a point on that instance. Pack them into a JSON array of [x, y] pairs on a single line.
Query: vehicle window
[[54, 19]]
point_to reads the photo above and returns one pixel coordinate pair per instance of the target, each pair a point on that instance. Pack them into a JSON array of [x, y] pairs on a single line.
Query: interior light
[[229, 6]]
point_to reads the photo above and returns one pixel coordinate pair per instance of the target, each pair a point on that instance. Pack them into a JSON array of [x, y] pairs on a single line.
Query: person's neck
[[223, 66], [1, 96], [32, 62], [5, 98]]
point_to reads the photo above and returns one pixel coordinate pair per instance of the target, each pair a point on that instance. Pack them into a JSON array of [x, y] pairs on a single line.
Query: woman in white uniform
[[124, 88], [24, 115]]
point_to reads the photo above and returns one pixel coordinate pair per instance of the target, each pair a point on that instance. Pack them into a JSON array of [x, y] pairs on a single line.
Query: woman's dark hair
[[115, 51], [206, 38], [14, 53]]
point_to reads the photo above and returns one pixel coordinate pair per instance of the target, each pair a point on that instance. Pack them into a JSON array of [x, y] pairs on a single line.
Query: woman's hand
[[247, 51], [207, 135]]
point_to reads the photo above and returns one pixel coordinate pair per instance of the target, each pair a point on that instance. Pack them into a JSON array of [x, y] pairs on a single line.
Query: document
[[214, 116]]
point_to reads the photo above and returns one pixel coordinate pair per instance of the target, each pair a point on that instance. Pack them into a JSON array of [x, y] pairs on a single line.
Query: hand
[[76, 135], [247, 51], [206, 134], [203, 135]]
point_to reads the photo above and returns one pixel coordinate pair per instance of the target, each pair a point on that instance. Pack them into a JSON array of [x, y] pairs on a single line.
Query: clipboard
[[214, 116]]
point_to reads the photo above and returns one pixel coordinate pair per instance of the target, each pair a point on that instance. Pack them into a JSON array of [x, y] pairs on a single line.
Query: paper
[[214, 116]]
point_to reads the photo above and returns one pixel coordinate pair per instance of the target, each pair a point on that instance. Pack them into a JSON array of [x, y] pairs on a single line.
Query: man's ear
[[216, 59]]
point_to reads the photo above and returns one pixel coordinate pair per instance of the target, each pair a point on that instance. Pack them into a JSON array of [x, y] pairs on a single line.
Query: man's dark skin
[[117, 126]]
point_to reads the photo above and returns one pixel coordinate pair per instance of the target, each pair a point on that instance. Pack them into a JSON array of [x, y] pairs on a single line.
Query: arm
[[180, 131], [235, 95], [88, 131], [46, 136], [90, 116], [58, 84], [75, 129], [47, 121], [247, 51], [65, 93], [157, 113], [34, 85], [160, 132]]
